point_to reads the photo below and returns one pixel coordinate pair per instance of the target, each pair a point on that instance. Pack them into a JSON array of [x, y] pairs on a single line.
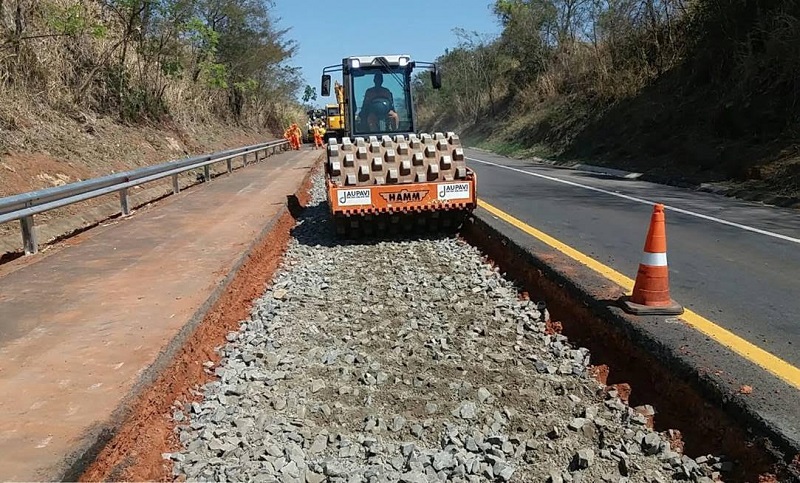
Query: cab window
[[381, 105]]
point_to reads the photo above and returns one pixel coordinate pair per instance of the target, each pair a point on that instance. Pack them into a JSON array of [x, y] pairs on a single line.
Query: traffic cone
[[651, 290]]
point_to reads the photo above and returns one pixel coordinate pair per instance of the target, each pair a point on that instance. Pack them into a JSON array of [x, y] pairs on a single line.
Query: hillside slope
[[703, 92]]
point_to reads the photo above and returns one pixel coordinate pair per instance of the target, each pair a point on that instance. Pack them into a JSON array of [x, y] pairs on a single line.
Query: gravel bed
[[410, 361]]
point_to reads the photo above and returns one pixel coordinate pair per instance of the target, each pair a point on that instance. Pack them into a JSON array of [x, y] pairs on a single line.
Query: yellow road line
[[749, 351]]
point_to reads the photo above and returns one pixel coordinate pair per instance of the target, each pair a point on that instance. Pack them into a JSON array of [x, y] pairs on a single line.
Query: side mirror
[[326, 85], [436, 77]]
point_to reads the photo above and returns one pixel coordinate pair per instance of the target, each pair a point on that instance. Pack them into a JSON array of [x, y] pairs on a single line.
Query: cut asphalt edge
[[766, 360], [578, 281]]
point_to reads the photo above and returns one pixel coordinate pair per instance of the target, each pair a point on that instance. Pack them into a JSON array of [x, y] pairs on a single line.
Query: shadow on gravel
[[315, 228], [294, 206]]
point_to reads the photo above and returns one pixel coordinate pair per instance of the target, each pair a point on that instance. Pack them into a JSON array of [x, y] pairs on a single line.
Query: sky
[[328, 31]]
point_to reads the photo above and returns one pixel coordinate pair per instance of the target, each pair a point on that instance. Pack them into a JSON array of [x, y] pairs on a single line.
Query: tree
[[310, 94], [133, 58], [529, 34]]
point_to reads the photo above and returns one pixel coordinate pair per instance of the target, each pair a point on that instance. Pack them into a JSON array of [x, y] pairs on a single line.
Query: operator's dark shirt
[[376, 92]]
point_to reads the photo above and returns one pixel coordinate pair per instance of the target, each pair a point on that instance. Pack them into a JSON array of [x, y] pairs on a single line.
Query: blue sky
[[328, 31]]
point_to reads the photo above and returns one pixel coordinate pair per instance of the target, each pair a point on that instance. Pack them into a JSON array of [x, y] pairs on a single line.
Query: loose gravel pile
[[410, 361]]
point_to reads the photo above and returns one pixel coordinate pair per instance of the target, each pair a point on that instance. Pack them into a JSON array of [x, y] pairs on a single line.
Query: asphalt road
[[732, 262]]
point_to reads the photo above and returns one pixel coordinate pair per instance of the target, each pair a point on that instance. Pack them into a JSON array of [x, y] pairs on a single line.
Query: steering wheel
[[380, 107]]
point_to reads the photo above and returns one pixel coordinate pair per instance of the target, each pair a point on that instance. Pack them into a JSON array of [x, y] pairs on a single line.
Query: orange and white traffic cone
[[651, 290]]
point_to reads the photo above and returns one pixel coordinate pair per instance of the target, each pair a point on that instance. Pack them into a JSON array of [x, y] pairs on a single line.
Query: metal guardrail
[[24, 206]]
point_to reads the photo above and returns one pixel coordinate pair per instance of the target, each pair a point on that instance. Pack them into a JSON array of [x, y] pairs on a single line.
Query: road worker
[[317, 136], [296, 136], [287, 135], [322, 131]]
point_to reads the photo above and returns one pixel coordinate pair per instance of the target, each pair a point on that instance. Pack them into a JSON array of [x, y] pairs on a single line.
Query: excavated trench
[[698, 425], [136, 450]]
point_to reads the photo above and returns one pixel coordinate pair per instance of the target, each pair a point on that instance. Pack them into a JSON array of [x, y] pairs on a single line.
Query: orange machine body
[[403, 197]]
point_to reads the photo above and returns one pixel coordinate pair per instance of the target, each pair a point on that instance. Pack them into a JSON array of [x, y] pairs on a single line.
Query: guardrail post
[[176, 187], [244, 159], [28, 235], [206, 173], [123, 202]]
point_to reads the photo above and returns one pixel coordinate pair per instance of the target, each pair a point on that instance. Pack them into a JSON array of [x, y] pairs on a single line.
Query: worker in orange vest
[[317, 136], [287, 135], [296, 136]]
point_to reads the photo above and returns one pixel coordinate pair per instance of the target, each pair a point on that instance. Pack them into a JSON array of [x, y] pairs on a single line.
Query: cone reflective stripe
[[651, 290]]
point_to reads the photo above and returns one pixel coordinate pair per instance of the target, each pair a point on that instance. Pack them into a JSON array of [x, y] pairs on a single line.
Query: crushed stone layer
[[410, 361]]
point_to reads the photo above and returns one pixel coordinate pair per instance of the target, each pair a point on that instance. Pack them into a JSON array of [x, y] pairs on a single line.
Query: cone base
[[674, 308]]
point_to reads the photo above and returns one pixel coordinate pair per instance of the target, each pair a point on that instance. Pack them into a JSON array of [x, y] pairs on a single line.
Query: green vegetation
[[309, 94], [693, 90], [147, 61]]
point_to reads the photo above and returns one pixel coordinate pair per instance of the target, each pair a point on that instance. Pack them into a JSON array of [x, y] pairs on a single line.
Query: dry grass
[[65, 115], [709, 96], [83, 72]]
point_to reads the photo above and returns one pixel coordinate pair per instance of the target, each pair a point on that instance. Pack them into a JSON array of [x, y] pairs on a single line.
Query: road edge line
[[747, 350]]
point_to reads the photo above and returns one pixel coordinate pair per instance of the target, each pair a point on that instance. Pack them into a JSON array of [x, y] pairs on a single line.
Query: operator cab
[[377, 93]]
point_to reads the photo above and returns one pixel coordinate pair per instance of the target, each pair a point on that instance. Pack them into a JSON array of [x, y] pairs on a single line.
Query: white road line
[[643, 201]]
